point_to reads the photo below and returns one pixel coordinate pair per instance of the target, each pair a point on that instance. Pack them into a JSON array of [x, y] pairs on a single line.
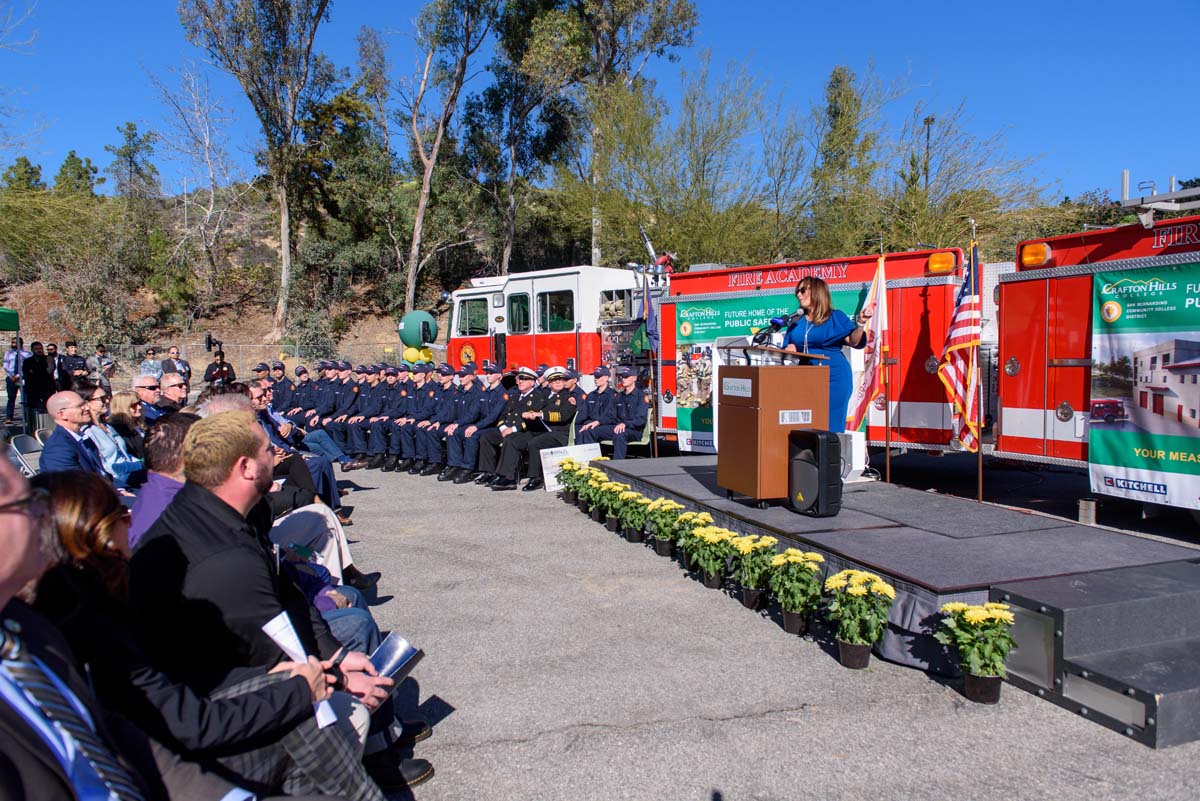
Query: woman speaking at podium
[[822, 330]]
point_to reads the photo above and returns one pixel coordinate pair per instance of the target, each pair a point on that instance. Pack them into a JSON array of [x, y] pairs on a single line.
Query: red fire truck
[[1099, 356], [585, 315]]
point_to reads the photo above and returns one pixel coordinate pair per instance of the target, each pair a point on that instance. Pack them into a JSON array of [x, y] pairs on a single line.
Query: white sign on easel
[[552, 456]]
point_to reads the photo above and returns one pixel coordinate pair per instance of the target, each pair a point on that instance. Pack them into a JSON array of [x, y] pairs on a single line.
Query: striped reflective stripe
[[1042, 424]]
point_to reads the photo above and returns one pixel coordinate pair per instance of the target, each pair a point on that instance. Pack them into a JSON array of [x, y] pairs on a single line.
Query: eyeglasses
[[35, 504], [802, 290], [100, 399], [173, 386], [147, 386]]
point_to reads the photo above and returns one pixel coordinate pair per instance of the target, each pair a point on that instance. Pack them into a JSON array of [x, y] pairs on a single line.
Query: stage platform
[[932, 548]]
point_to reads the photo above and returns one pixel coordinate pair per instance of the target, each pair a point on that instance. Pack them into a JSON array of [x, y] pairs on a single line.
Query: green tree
[[449, 34], [77, 175], [522, 122], [135, 175], [23, 175], [622, 37], [268, 47]]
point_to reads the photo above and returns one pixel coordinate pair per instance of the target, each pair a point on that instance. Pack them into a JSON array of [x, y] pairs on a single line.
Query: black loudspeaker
[[815, 472]]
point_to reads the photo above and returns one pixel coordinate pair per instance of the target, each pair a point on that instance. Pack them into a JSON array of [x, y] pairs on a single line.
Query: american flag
[[959, 369]]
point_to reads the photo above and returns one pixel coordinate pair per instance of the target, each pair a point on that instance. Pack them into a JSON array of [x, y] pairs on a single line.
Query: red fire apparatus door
[[1069, 373], [1023, 367]]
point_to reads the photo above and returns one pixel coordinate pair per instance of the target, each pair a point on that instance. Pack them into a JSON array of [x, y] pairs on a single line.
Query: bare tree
[[13, 39], [268, 47], [449, 33], [215, 199]]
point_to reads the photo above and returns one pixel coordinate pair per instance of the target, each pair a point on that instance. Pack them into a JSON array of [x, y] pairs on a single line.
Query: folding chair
[[26, 452], [643, 440], [42, 434]]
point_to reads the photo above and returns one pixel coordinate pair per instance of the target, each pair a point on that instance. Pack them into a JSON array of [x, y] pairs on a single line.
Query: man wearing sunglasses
[[174, 389], [175, 364], [149, 392]]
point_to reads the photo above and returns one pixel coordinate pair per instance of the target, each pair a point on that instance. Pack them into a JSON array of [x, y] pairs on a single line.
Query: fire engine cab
[[550, 317]]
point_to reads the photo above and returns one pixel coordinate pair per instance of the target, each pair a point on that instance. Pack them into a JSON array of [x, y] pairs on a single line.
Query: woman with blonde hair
[[822, 330], [125, 416], [125, 470]]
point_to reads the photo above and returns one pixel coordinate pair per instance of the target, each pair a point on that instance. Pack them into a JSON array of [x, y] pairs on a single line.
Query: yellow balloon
[[426, 355], [412, 355]]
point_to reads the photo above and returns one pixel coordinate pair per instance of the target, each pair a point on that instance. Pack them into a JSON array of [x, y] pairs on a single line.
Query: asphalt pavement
[[565, 663]]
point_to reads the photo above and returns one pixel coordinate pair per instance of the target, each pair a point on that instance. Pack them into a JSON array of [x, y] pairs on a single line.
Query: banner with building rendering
[[1144, 432]]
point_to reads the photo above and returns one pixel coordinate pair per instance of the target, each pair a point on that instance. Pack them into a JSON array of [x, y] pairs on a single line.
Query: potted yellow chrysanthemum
[[795, 581], [589, 493], [859, 604], [663, 515], [610, 501], [686, 526], [633, 513], [752, 557], [569, 475], [713, 548], [982, 635]]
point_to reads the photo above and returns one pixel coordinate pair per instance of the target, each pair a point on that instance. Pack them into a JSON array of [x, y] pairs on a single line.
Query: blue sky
[[1086, 88]]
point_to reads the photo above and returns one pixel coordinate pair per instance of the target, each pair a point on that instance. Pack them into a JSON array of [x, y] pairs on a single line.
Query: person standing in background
[[151, 364], [101, 367], [174, 364], [73, 365], [35, 372], [13, 360]]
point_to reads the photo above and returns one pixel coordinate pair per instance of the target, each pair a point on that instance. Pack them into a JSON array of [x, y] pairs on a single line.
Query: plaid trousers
[[304, 761]]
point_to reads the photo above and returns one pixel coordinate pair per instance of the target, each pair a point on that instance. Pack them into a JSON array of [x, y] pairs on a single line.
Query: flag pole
[[887, 388], [978, 279]]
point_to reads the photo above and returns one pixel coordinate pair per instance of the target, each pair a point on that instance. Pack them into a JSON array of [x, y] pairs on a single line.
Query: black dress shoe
[[416, 467], [392, 773], [389, 464], [449, 474], [360, 580], [353, 464], [403, 465], [485, 478], [413, 732], [505, 484], [432, 469], [466, 477], [533, 484], [375, 462]]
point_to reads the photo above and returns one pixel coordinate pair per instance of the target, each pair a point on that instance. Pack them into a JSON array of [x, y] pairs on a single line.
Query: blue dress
[[826, 340]]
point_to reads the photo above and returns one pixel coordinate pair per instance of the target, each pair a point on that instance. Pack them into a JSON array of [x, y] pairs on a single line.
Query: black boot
[[432, 469], [390, 463], [375, 462], [359, 580], [404, 465], [416, 467], [449, 474]]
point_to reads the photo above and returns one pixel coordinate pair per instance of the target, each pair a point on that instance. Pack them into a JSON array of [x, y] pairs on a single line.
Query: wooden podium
[[757, 406]]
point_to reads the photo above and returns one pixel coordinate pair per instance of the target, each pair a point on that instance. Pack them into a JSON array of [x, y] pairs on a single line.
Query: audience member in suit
[[39, 385], [68, 448]]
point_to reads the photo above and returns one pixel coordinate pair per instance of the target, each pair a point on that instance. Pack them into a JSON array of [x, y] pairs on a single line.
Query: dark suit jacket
[[63, 452]]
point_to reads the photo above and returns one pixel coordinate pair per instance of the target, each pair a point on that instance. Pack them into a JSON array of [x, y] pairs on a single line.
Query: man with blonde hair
[[205, 580]]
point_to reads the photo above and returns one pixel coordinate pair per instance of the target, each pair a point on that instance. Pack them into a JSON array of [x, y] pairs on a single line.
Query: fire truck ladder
[[1146, 205]]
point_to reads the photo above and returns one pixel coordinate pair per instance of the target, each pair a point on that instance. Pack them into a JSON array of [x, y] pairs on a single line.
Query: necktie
[[45, 695]]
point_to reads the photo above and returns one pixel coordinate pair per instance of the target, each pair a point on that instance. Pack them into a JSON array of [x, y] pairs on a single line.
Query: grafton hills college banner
[[1144, 439]]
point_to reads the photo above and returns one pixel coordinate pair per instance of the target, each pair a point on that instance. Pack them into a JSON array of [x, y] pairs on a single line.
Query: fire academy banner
[[1144, 439]]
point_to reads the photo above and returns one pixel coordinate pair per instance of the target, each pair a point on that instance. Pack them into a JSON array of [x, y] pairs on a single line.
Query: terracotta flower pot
[[982, 689], [795, 622], [714, 581], [753, 598], [855, 657], [633, 534], [663, 547]]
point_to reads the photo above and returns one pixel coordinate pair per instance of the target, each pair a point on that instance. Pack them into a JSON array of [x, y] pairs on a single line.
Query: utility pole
[[928, 128]]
